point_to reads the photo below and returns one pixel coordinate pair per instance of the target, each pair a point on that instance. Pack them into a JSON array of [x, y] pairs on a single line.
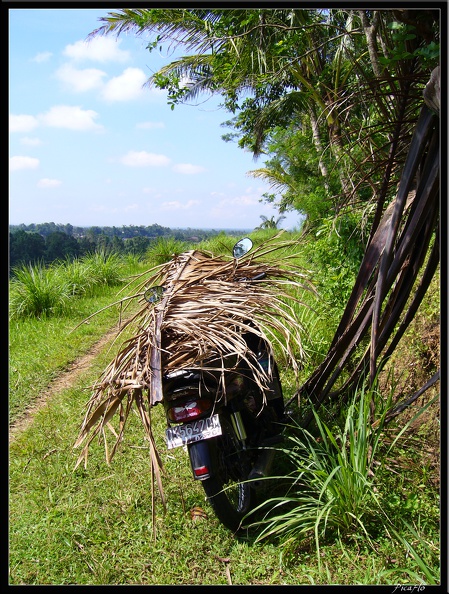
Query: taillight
[[186, 411], [201, 472]]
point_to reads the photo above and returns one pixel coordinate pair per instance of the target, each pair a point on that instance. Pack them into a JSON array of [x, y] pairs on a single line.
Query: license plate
[[180, 435]]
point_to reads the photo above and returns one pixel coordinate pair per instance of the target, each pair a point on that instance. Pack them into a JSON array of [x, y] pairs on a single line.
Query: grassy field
[[95, 525]]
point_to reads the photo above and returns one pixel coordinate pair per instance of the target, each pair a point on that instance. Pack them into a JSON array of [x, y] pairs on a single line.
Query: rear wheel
[[230, 497]]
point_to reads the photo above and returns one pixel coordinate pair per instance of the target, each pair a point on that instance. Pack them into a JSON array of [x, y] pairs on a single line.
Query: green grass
[[165, 248], [94, 525], [40, 349], [332, 493], [37, 291]]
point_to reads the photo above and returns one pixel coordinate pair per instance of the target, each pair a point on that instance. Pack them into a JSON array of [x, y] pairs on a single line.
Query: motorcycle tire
[[227, 492]]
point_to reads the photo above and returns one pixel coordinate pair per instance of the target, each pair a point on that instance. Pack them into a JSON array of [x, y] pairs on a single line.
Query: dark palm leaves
[[397, 268]]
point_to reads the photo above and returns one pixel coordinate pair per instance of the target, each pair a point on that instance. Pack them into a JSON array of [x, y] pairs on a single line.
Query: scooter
[[225, 419], [203, 348]]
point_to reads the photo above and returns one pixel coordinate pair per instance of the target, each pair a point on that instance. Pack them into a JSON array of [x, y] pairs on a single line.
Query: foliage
[[331, 253], [48, 242], [125, 232], [78, 275], [164, 249], [339, 488], [425, 561], [25, 247], [292, 170], [334, 250], [349, 82], [59, 245], [105, 268], [38, 291], [270, 223], [331, 484]]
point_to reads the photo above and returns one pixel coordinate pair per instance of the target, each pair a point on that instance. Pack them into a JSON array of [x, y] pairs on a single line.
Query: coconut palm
[[270, 223], [352, 77]]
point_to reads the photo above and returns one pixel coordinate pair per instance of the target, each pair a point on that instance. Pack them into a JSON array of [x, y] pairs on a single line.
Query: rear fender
[[200, 459]]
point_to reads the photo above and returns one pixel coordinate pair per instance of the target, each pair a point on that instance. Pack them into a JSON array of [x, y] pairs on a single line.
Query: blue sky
[[88, 145]]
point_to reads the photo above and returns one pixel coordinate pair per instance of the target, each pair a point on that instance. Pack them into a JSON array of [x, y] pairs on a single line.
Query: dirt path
[[63, 381]]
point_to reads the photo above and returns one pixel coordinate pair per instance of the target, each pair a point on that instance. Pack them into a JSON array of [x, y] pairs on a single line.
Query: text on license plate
[[180, 435]]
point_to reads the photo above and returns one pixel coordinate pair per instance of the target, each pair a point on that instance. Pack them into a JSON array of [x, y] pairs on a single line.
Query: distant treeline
[[47, 242]]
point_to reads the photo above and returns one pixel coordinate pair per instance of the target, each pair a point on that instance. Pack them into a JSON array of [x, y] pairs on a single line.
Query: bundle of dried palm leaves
[[207, 305]]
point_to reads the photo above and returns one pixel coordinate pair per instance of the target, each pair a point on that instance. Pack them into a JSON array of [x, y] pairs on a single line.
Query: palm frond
[[207, 306]]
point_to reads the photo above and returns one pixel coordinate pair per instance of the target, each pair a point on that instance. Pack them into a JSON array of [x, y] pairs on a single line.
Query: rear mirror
[[153, 294], [242, 247]]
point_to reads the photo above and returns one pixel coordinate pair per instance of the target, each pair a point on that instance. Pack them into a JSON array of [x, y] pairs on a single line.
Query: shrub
[[38, 291]]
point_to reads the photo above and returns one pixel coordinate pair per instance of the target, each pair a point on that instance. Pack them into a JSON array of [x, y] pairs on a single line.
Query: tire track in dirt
[[62, 382]]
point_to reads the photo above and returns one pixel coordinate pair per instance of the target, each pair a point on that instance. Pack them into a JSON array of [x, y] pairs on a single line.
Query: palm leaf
[[207, 306]]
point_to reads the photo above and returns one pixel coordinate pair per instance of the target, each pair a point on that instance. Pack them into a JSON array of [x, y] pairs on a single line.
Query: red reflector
[[201, 471]]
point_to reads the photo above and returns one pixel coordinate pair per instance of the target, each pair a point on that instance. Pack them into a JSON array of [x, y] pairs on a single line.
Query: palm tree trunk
[[319, 146]]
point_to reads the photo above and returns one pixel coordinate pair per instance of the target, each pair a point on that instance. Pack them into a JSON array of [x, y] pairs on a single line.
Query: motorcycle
[[204, 350], [224, 436]]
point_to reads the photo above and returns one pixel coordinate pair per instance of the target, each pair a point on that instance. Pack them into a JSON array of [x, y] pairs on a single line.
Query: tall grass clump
[[332, 483], [337, 489], [164, 249], [104, 268], [133, 263], [219, 245], [78, 275], [37, 291]]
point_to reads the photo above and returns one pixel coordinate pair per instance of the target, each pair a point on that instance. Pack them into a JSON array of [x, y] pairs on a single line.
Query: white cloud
[[80, 80], [144, 159], [130, 207], [22, 123], [42, 57], [126, 86], [154, 193], [18, 162], [45, 182], [98, 49], [243, 200], [241, 206], [176, 205], [70, 117], [27, 141], [188, 169], [150, 125]]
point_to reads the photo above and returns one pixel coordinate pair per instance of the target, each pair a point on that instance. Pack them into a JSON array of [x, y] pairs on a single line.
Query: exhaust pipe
[[261, 468]]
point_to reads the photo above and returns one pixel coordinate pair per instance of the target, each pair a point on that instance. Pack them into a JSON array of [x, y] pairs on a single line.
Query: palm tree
[[316, 68], [270, 223]]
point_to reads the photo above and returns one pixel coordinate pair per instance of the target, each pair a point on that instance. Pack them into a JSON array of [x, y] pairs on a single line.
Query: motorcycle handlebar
[[256, 277], [259, 276], [154, 294]]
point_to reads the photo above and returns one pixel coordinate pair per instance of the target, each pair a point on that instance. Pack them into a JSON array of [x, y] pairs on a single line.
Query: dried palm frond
[[208, 304]]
